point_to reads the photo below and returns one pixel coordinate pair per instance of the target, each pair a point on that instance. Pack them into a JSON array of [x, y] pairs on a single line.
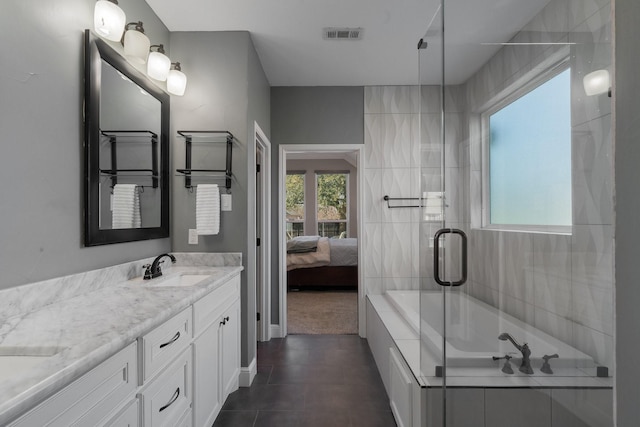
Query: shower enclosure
[[516, 213]]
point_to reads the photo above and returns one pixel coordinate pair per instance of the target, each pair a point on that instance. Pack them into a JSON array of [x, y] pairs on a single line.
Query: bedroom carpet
[[322, 312]]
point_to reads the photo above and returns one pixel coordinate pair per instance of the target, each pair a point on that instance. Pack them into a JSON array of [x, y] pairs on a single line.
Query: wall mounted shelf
[[206, 136], [120, 136]]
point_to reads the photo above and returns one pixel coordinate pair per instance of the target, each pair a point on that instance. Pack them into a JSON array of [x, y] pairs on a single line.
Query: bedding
[[333, 264]]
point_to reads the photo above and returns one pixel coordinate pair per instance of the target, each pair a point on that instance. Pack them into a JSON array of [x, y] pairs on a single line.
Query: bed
[[332, 264]]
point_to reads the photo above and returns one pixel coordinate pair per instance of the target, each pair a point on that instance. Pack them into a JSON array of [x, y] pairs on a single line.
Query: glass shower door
[[516, 303]]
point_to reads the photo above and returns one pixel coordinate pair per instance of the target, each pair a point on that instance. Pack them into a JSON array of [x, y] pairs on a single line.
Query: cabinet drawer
[[208, 309], [92, 398], [165, 342], [168, 397], [128, 417]]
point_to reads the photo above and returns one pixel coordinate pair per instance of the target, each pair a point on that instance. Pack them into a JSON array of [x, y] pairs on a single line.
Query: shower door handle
[[436, 256]]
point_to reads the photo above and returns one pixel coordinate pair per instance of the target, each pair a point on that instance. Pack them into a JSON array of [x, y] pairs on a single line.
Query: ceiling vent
[[333, 33]]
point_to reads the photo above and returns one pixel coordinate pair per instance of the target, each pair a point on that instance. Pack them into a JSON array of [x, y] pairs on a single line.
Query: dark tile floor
[[308, 381]]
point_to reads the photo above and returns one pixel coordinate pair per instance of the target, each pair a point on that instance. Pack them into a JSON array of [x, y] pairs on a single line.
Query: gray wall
[[309, 115], [227, 90], [627, 176], [42, 134]]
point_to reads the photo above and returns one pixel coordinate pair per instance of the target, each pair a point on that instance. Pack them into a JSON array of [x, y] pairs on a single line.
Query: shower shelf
[[206, 136], [129, 136]]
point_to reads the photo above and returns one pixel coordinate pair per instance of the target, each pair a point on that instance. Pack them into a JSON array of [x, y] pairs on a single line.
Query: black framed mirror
[[126, 149]]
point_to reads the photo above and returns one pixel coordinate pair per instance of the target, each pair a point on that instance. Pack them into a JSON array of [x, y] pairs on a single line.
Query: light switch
[[193, 236], [225, 202]]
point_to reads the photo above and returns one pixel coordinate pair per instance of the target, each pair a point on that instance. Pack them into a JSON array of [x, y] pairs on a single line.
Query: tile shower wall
[[562, 284], [391, 168], [399, 165]]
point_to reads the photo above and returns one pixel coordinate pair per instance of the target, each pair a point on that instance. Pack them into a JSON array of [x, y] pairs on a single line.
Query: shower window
[[527, 157], [295, 205]]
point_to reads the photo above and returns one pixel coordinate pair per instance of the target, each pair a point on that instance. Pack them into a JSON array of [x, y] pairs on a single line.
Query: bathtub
[[473, 329]]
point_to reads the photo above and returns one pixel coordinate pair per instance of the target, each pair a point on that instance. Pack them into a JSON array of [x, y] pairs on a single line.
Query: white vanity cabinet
[[216, 350], [93, 399], [176, 375]]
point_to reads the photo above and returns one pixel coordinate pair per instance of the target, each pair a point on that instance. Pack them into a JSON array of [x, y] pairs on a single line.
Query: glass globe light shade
[[108, 20], [176, 82], [136, 46], [158, 66]]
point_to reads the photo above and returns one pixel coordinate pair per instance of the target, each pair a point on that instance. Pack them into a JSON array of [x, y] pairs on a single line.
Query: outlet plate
[[193, 236], [225, 202]]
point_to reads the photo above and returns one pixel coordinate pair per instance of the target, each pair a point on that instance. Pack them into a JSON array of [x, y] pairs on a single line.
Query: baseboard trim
[[247, 374], [276, 332]]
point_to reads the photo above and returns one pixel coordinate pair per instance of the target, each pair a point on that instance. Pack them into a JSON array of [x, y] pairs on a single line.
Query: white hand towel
[[126, 206], [207, 209], [432, 202]]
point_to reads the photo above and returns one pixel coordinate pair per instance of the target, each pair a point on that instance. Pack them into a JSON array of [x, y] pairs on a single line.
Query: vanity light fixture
[[109, 19], [176, 80], [158, 64], [136, 43], [597, 83]]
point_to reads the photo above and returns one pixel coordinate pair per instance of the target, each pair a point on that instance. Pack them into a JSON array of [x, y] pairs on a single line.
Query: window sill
[[533, 229]]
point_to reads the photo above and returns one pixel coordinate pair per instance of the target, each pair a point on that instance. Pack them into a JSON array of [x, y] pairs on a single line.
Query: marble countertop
[[85, 330]]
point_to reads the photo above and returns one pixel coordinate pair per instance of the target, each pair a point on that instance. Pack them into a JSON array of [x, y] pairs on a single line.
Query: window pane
[[295, 205], [294, 229], [295, 197], [332, 196], [332, 229], [530, 157]]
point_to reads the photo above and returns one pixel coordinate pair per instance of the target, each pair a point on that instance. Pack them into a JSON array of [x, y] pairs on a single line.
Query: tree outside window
[[295, 205], [332, 204]]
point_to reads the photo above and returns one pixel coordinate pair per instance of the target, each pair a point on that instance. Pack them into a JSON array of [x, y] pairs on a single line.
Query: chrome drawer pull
[[174, 339], [173, 399]]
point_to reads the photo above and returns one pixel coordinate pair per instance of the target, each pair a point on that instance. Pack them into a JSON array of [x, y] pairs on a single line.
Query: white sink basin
[[181, 280]]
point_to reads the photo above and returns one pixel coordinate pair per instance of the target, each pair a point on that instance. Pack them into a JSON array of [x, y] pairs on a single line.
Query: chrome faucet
[[153, 270], [525, 366]]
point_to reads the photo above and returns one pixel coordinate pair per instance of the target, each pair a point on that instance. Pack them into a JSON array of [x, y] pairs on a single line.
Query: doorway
[[315, 224]]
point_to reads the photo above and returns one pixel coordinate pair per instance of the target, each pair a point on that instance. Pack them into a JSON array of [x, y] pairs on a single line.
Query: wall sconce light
[[597, 82], [176, 80], [109, 19], [136, 44], [158, 63]]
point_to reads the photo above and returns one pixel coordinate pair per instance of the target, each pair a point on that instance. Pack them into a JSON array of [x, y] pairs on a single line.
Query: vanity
[[107, 348]]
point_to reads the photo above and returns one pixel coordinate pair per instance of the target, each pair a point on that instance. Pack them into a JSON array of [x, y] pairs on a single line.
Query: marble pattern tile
[[556, 326], [372, 245], [516, 264], [400, 99], [373, 144], [592, 256], [396, 140], [396, 183], [430, 140], [397, 250], [373, 99], [592, 153], [552, 273], [373, 204]]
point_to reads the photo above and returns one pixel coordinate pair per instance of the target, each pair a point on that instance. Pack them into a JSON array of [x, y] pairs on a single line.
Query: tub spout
[[525, 366]]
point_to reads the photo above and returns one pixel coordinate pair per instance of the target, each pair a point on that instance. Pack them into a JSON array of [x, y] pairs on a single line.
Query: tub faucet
[[525, 366], [153, 270]]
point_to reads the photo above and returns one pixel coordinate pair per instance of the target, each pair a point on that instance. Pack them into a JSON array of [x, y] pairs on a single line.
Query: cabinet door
[[206, 379], [92, 398], [129, 417], [230, 348], [167, 398]]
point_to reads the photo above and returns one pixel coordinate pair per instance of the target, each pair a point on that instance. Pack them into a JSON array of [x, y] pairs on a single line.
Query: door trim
[[264, 305], [284, 150]]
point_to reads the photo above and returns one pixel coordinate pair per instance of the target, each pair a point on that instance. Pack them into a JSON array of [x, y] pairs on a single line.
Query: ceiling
[[288, 36]]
